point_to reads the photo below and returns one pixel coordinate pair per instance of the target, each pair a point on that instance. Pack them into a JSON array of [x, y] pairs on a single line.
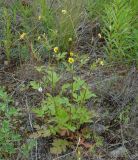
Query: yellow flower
[[101, 63], [56, 49], [71, 54], [99, 35], [39, 18], [71, 60], [22, 35], [64, 11], [39, 37], [70, 39]]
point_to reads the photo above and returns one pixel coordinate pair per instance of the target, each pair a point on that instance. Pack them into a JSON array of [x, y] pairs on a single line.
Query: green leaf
[[65, 87], [86, 94], [61, 116], [39, 112], [61, 56], [16, 137], [70, 127], [3, 94], [40, 68], [59, 146], [3, 107], [53, 77], [27, 147], [5, 126], [35, 85], [12, 111], [77, 84]]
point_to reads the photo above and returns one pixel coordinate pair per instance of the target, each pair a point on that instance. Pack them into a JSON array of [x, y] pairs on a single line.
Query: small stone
[[6, 63], [134, 157], [16, 103], [119, 152], [40, 89], [99, 128]]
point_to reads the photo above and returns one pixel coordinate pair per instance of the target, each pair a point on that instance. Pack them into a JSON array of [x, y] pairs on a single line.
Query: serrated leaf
[[77, 84], [39, 112], [70, 127], [35, 85], [53, 77], [59, 146], [40, 68]]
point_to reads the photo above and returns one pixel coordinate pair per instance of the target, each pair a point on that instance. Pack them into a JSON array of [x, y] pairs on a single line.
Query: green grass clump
[[7, 33], [61, 20], [95, 8], [119, 31], [68, 22], [54, 23]]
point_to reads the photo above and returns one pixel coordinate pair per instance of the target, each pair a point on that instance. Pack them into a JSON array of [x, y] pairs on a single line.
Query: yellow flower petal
[[56, 49], [101, 63], [70, 39], [38, 38], [39, 18], [71, 60], [71, 54], [99, 35], [64, 11], [22, 35]]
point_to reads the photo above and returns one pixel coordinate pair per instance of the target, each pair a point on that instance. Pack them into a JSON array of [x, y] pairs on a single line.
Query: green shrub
[[8, 134], [11, 142], [63, 111]]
